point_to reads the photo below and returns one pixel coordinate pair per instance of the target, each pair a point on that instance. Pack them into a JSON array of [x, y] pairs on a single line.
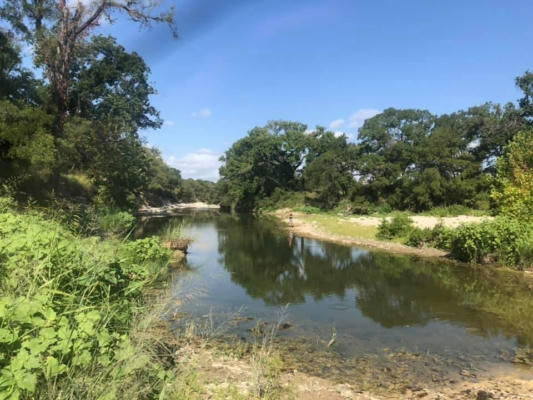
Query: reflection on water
[[373, 300]]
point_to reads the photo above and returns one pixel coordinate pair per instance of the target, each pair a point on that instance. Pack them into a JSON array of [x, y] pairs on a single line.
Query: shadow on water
[[374, 300]]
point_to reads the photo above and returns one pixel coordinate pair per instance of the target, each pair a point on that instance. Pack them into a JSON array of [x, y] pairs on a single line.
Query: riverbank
[[359, 231], [174, 208], [232, 369]]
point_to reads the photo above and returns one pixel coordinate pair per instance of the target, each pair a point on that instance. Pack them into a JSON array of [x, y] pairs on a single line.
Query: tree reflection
[[390, 289]]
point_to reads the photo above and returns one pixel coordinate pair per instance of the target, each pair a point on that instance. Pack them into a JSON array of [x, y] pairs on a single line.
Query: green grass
[[342, 226], [69, 308], [454, 211]]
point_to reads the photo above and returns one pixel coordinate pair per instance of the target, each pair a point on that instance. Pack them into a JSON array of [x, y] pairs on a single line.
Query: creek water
[[244, 271]]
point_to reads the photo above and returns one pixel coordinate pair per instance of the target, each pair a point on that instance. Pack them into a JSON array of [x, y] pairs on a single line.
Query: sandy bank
[[302, 226], [176, 207], [422, 221]]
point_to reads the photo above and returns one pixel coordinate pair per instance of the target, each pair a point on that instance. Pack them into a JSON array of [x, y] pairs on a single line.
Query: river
[[244, 272]]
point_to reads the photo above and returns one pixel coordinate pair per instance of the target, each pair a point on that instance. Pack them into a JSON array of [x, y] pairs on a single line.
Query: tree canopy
[[407, 159]]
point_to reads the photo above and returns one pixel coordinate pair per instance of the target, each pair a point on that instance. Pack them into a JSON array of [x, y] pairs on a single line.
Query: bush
[[115, 222], [66, 309], [7, 204], [419, 237], [308, 209], [525, 253], [502, 240], [398, 226], [360, 206], [450, 211], [513, 191], [438, 237]]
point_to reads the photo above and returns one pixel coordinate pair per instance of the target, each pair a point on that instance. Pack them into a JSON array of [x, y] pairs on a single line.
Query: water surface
[[371, 301]]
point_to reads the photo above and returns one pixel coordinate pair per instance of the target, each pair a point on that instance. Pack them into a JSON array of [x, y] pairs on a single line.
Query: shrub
[[513, 191], [6, 204], [438, 237], [115, 222], [419, 237], [66, 309], [503, 240], [308, 209], [361, 206], [398, 226], [525, 253]]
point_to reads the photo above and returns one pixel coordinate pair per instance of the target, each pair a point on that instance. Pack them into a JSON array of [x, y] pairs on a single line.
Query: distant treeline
[[402, 159]]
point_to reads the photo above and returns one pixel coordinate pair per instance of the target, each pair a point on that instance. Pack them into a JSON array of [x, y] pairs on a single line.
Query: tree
[[269, 157], [164, 182], [26, 141], [389, 144], [525, 83], [513, 191], [110, 84], [330, 167], [58, 30]]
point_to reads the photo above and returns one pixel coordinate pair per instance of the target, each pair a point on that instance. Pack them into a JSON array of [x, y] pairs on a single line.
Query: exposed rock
[[483, 395]]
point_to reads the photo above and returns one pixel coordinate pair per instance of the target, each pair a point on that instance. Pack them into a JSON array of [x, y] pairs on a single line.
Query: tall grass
[[66, 312]]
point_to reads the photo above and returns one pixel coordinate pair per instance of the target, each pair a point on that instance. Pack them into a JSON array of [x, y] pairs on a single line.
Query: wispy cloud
[[357, 119], [336, 123], [168, 123], [200, 164], [203, 113]]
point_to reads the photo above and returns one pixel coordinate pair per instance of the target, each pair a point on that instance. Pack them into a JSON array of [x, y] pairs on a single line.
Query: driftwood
[[177, 244]]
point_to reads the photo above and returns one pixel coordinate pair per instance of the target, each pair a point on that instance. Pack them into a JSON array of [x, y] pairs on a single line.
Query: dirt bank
[[222, 372], [303, 226]]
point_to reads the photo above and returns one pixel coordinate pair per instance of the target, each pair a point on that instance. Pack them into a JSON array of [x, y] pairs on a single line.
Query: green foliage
[[438, 237], [164, 183], [399, 226], [65, 312], [513, 191], [26, 143], [7, 203], [308, 209], [525, 83], [502, 240], [269, 158], [115, 222], [453, 210], [110, 84], [199, 190]]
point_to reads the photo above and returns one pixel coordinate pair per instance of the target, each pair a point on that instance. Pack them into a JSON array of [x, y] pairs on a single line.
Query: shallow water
[[244, 271]]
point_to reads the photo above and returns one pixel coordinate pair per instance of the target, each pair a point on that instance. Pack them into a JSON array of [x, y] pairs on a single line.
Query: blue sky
[[239, 64]]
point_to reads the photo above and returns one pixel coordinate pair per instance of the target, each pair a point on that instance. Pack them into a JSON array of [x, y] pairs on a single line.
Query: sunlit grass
[[342, 226]]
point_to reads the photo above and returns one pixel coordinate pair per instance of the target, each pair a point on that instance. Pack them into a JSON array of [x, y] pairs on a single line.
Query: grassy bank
[[83, 317], [71, 309], [468, 238]]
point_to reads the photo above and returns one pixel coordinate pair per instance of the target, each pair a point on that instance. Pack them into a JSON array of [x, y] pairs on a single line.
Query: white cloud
[[168, 123], [349, 136], [200, 164], [203, 113], [336, 123], [357, 119]]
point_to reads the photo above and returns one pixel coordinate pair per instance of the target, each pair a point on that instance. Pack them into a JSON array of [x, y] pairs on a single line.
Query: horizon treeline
[[403, 159]]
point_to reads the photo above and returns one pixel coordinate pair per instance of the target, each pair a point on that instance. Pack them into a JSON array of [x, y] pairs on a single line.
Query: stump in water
[[176, 260], [178, 244]]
